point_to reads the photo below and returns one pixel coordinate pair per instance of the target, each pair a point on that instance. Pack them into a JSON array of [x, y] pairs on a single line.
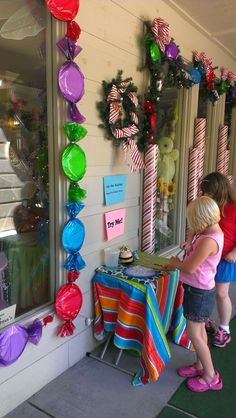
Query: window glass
[[24, 183], [168, 159]]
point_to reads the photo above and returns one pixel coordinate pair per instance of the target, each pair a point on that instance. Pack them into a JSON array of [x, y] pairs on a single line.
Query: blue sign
[[114, 189]]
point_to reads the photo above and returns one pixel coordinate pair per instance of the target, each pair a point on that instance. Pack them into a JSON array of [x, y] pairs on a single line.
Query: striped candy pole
[[193, 174], [149, 199], [221, 148], [231, 179], [227, 157], [199, 142]]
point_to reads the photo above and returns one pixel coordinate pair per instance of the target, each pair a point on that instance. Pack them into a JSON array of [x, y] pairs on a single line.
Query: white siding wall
[[111, 30]]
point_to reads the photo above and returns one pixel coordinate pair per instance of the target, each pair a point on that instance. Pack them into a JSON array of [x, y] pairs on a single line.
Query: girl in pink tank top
[[197, 272]]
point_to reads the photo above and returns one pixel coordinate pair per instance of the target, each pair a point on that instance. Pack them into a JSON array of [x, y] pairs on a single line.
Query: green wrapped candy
[[74, 162], [224, 86], [147, 40], [74, 131], [75, 193], [155, 52]]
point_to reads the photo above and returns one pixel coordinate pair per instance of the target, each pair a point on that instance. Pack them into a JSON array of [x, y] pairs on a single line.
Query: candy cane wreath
[[121, 100]]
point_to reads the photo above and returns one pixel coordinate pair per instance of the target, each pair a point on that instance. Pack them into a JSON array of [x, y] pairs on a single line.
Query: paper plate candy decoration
[[64, 10], [155, 53], [71, 82], [13, 341], [195, 75], [73, 160], [73, 237], [71, 85], [172, 51], [68, 304]]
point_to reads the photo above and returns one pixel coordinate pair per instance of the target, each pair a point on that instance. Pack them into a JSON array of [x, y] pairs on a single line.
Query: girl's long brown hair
[[218, 187]]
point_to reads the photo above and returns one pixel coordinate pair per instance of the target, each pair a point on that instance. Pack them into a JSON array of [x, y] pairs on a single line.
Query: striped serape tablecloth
[[140, 315]]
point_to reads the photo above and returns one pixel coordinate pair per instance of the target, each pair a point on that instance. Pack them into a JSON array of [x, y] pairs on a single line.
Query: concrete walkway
[[91, 389]]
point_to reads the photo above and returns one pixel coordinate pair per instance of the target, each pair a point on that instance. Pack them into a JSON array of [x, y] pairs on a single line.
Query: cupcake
[[126, 256]]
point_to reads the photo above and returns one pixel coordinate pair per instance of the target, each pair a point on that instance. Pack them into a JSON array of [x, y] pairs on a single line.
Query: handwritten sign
[[114, 189], [114, 223], [7, 315]]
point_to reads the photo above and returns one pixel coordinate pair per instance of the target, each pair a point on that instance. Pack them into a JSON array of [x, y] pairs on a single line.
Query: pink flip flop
[[196, 386], [190, 371]]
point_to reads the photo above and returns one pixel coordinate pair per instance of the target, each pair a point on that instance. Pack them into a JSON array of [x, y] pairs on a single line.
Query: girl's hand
[[231, 256], [185, 245], [173, 264]]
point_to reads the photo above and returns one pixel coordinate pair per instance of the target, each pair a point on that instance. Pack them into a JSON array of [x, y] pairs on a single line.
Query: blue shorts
[[226, 272], [198, 304]]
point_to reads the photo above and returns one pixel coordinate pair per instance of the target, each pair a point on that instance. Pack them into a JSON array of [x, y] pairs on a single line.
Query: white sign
[[7, 316]]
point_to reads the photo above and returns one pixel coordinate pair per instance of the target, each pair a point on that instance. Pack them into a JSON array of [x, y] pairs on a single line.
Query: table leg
[[114, 365]]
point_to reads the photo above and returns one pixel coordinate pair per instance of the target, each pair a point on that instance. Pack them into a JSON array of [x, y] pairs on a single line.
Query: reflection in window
[[228, 115], [202, 103], [167, 163], [24, 197]]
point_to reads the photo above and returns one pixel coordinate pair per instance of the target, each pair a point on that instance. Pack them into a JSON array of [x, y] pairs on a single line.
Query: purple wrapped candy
[[172, 51], [14, 339], [12, 344], [68, 48], [71, 82], [74, 114]]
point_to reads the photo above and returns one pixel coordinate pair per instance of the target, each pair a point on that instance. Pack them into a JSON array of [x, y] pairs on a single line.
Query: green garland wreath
[[119, 109]]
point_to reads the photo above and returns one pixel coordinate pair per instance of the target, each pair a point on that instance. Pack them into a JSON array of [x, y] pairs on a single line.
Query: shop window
[[167, 181], [24, 180]]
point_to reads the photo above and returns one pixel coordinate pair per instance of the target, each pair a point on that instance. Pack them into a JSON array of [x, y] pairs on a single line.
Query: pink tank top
[[203, 277]]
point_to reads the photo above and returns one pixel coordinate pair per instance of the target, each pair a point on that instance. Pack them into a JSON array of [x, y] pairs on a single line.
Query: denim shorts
[[198, 304]]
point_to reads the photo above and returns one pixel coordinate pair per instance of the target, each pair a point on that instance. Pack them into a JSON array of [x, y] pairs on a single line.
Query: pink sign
[[115, 223]]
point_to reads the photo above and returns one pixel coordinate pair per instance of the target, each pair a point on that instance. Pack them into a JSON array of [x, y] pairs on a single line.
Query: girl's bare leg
[[197, 334], [224, 304]]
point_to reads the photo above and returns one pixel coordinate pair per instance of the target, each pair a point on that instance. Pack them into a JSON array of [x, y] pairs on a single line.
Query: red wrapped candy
[[68, 304], [73, 31], [64, 10]]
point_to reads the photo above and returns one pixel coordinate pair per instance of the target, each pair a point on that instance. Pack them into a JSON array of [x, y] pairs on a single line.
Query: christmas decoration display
[[149, 199], [119, 99], [166, 69], [73, 161]]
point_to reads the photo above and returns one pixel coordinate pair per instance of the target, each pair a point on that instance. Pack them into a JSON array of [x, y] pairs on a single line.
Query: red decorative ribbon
[[201, 57], [161, 31], [228, 75], [115, 97], [130, 146], [125, 132]]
